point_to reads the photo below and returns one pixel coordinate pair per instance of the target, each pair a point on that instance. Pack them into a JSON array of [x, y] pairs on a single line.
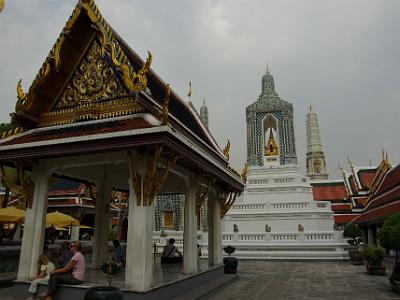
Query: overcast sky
[[340, 56]]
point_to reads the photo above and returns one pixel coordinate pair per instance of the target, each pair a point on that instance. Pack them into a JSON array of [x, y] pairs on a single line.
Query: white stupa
[[276, 217]]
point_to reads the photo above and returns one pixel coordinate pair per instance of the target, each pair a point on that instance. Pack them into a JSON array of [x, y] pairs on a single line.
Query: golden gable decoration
[[93, 81], [93, 84], [92, 93]]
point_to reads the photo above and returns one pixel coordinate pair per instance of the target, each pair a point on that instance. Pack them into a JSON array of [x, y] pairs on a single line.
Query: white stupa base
[[277, 218]]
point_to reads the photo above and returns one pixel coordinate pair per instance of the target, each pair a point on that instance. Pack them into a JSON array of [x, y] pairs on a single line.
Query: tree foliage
[[352, 231], [389, 234]]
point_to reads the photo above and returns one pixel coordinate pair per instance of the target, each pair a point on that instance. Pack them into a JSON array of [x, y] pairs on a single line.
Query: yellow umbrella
[[59, 219], [11, 215], [85, 226], [61, 228]]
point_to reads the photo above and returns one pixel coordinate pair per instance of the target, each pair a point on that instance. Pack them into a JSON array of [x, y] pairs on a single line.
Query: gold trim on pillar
[[156, 176], [136, 179], [226, 202], [21, 185], [202, 195]]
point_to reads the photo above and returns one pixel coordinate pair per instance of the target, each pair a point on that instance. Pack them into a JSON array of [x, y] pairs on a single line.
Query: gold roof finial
[[243, 174], [227, 150], [189, 94], [341, 169], [1, 5]]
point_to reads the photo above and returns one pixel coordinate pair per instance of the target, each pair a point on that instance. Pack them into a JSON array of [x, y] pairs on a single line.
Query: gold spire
[[271, 148], [1, 5]]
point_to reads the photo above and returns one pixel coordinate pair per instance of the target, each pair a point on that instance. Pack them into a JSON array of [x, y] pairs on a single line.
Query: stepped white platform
[[277, 218]]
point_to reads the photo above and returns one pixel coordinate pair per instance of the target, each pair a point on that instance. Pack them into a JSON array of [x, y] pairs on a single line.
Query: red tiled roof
[[343, 219], [379, 214], [366, 178], [80, 130], [360, 202], [382, 199], [329, 192], [353, 184], [341, 207], [392, 179]]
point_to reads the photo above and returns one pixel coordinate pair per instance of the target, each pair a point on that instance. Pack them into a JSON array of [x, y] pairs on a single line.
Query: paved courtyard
[[297, 280], [304, 280]]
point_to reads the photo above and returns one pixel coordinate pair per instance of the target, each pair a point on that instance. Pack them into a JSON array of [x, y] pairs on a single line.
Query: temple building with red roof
[[365, 196]]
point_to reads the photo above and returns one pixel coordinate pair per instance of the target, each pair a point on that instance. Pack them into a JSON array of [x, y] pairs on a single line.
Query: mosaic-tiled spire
[[316, 165], [270, 111], [204, 113]]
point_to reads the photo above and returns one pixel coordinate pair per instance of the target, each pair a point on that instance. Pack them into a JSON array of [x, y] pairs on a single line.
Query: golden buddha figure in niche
[[271, 147]]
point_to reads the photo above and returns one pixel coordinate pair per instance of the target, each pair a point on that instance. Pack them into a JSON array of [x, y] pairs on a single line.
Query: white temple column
[[35, 219], [218, 233], [190, 230], [214, 232], [100, 239], [139, 257], [210, 224]]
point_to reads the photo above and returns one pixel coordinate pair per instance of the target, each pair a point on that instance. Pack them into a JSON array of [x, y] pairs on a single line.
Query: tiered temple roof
[[365, 195]]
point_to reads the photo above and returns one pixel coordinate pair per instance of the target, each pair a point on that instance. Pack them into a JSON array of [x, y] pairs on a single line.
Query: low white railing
[[284, 236], [286, 205], [249, 206], [318, 236]]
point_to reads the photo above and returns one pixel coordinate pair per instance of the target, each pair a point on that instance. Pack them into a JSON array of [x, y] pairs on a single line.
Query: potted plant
[[374, 256], [230, 263], [354, 233], [109, 269]]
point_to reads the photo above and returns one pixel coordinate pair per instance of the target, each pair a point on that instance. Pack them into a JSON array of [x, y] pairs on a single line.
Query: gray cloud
[[340, 56]]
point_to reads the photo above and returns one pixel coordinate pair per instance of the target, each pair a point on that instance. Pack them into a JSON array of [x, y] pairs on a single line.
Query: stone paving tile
[[305, 280]]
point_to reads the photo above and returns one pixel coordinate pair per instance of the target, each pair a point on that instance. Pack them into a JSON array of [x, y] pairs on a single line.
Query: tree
[[387, 235], [352, 231]]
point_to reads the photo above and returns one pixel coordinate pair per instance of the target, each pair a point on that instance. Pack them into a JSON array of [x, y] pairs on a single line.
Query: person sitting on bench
[[170, 252]]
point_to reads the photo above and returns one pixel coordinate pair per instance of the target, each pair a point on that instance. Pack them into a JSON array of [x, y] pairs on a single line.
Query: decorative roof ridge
[[366, 210], [207, 132], [193, 134], [77, 124], [381, 172], [365, 168], [183, 104]]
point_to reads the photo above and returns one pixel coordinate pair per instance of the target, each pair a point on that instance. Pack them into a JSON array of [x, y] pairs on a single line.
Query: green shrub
[[374, 255], [389, 234], [352, 231]]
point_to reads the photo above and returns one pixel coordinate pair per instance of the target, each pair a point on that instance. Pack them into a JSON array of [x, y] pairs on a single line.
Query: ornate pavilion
[[97, 112]]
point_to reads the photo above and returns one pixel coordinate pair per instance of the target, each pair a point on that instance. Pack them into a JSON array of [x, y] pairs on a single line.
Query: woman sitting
[[44, 268], [72, 273]]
